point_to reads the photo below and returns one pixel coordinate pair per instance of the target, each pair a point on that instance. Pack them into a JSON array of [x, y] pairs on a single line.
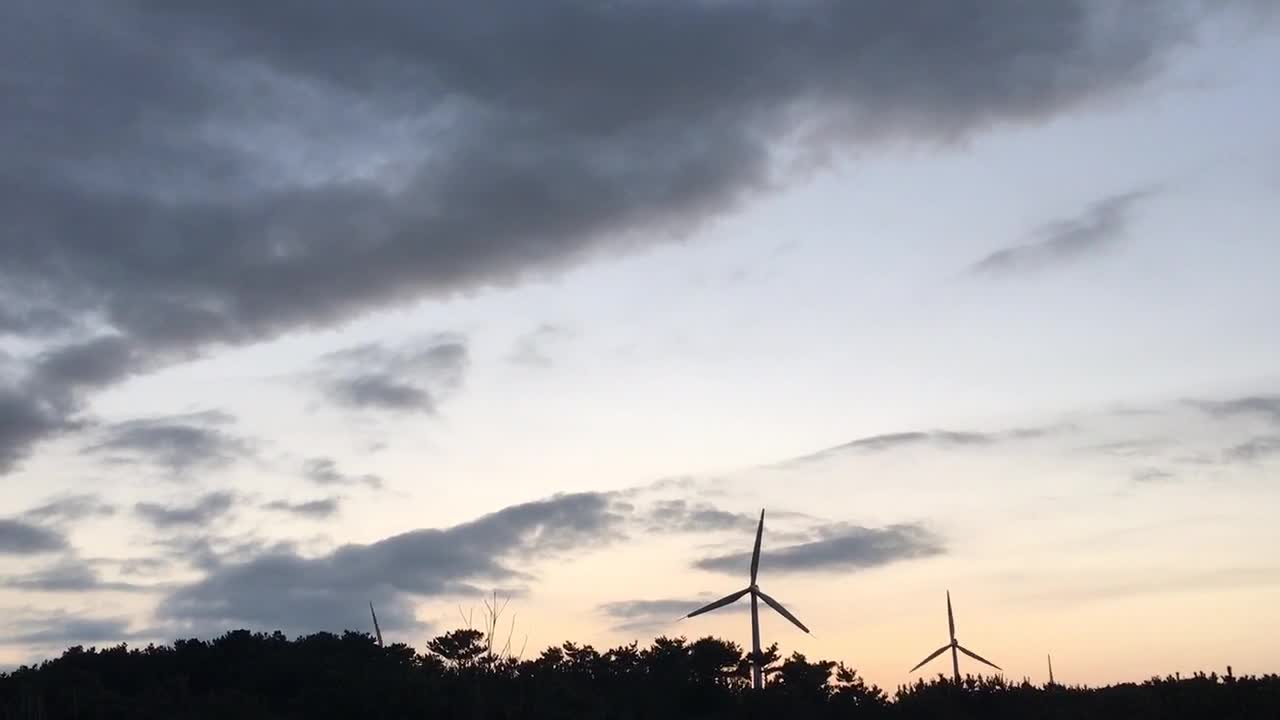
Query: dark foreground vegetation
[[242, 676]]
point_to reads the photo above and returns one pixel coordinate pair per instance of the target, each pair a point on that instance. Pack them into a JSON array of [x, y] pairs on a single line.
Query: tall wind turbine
[[757, 673], [954, 645]]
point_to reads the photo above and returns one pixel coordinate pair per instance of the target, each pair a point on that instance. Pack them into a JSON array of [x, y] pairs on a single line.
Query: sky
[[308, 305]]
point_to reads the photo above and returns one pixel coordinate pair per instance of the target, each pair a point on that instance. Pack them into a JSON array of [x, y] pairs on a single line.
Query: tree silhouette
[[462, 649], [247, 676]]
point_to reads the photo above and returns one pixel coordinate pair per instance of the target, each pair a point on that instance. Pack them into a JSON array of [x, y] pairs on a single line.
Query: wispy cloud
[[533, 349], [654, 615], [277, 587], [686, 516], [177, 443], [69, 575], [1098, 228], [1152, 475], [198, 514], [838, 547], [324, 471], [57, 630], [315, 509], [1266, 407], [412, 378], [70, 508], [1254, 449], [925, 438]]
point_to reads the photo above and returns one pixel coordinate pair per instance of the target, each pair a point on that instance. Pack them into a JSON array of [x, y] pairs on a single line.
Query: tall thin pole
[[1050, 669], [757, 673]]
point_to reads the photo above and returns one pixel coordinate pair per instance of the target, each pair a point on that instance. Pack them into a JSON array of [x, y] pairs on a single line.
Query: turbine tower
[[954, 645], [757, 673], [1051, 682]]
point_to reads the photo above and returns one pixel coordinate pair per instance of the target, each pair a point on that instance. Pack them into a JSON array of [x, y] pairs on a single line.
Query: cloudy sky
[[305, 305]]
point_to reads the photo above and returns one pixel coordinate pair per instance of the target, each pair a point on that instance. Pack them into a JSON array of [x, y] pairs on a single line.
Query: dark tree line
[[244, 676]]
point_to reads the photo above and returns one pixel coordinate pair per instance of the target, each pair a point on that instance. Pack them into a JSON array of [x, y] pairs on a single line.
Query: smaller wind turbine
[[377, 630], [757, 673], [954, 645], [1051, 682]]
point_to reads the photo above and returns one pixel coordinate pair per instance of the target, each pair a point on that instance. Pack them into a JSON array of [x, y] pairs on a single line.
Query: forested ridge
[[245, 675]]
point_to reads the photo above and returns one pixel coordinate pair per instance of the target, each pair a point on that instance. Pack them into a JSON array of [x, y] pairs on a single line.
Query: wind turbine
[[954, 645], [757, 673], [1050, 669], [377, 630]]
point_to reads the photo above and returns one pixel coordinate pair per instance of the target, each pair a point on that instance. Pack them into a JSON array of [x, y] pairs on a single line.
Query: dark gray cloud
[[839, 547], [280, 588], [18, 537], [324, 471], [71, 508], [412, 378], [1101, 226], [26, 416], [202, 512], [69, 575], [30, 321], [95, 362], [177, 443], [179, 176], [322, 508]]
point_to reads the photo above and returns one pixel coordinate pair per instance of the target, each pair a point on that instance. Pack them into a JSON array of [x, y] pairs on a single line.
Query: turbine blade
[[932, 655], [781, 610], [726, 600], [755, 554], [978, 657], [377, 630], [951, 618]]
